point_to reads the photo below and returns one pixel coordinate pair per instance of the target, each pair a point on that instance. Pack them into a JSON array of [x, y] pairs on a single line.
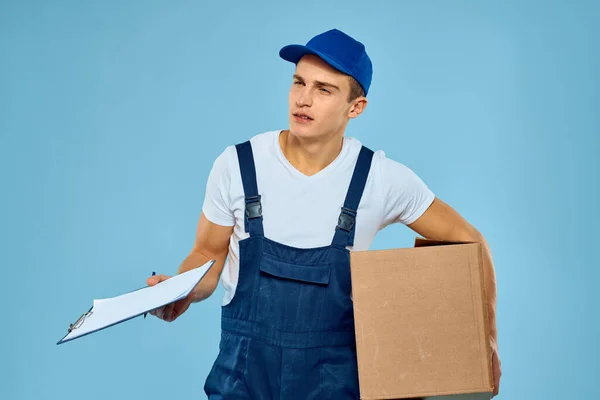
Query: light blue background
[[112, 112]]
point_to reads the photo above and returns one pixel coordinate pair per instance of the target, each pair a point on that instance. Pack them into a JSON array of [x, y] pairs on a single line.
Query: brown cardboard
[[421, 322]]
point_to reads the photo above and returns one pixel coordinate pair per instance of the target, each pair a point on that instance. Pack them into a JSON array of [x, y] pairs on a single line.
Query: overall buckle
[[253, 207], [347, 219]]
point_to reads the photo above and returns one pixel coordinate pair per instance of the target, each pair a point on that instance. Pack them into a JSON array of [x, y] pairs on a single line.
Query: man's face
[[318, 100]]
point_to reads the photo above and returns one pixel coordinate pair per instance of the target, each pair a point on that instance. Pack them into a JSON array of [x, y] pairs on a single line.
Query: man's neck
[[310, 156]]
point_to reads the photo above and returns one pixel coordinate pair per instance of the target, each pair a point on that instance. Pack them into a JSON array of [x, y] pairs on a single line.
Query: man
[[287, 207]]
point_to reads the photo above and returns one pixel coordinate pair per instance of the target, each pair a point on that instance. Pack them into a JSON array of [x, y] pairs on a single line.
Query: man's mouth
[[302, 116]]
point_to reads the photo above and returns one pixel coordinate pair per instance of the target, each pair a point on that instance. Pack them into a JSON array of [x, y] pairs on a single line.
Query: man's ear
[[358, 106]]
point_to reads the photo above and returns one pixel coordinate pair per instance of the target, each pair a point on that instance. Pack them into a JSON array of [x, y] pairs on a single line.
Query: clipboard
[[108, 312]]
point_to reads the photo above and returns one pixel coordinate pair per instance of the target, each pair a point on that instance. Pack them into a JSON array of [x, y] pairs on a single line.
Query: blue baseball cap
[[340, 51]]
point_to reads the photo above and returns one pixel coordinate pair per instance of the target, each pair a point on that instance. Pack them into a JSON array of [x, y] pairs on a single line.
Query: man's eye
[[325, 90], [297, 83]]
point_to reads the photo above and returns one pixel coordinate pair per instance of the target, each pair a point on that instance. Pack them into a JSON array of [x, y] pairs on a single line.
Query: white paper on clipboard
[[111, 311]]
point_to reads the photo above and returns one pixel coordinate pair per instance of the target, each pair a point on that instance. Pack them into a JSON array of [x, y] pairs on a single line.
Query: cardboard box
[[422, 325]]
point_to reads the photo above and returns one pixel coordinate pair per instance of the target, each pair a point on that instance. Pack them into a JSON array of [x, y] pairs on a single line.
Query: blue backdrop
[[112, 112]]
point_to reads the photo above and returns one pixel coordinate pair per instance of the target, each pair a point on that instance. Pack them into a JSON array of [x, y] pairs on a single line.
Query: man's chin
[[302, 131]]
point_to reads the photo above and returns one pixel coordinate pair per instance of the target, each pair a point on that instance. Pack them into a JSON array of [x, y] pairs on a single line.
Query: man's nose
[[304, 98]]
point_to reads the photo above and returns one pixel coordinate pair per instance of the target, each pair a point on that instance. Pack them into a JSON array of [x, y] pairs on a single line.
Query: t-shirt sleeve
[[407, 196], [217, 200]]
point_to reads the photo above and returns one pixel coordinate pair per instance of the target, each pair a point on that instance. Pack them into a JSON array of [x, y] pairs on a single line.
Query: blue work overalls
[[288, 332]]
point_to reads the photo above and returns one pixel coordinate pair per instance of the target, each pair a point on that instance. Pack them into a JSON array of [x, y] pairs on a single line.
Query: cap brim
[[294, 52]]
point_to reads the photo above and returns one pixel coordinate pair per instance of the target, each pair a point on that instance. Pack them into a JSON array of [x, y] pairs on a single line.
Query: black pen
[[153, 273]]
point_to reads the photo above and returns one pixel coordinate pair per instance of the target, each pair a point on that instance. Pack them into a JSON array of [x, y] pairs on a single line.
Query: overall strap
[[253, 214], [344, 231]]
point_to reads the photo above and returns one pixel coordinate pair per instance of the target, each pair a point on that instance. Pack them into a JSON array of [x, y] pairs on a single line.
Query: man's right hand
[[171, 311], [212, 243]]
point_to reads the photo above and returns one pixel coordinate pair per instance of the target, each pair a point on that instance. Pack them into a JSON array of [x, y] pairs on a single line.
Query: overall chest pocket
[[290, 296]]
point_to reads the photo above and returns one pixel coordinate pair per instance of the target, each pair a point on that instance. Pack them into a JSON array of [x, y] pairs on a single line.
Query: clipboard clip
[[79, 322]]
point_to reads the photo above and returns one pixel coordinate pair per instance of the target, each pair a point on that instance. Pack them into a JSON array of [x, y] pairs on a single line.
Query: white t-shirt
[[302, 211]]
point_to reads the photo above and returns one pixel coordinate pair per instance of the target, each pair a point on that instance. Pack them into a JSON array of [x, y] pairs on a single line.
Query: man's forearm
[[208, 284]]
